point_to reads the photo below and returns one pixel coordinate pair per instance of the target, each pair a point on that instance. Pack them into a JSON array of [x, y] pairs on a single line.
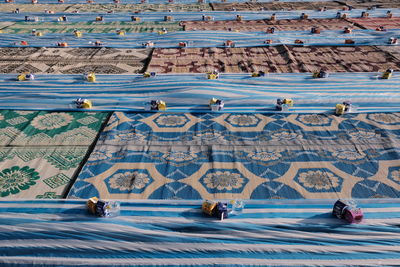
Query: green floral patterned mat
[[41, 151]]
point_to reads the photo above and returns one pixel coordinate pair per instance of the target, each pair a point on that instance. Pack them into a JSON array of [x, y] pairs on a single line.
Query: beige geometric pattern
[[383, 173], [381, 120], [373, 23], [305, 5], [104, 8], [343, 59], [276, 5], [33, 8], [201, 60], [137, 8], [363, 4], [194, 179], [254, 122], [348, 180], [92, 27], [334, 124], [73, 60], [187, 121], [392, 50], [244, 155], [99, 183]]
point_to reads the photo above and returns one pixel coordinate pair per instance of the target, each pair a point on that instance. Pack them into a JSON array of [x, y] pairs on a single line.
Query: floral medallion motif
[[314, 119], [385, 118], [51, 121], [243, 120], [223, 180], [363, 135], [179, 156], [209, 137], [285, 136], [98, 155], [132, 136], [318, 180], [264, 155], [348, 154], [128, 181], [16, 179], [171, 120]]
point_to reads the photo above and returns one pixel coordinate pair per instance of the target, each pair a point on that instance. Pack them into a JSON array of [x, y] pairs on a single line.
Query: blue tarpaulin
[[241, 92], [276, 232]]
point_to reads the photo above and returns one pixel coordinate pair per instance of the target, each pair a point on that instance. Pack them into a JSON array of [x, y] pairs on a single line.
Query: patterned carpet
[[343, 59], [288, 167], [202, 60], [41, 151], [373, 23], [73, 60], [370, 4], [276, 5], [97, 8], [249, 156], [153, 7], [273, 59], [394, 51], [312, 5]]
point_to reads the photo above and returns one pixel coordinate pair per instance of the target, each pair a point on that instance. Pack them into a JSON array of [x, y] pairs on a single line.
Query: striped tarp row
[[200, 39], [147, 1], [192, 92], [194, 16], [175, 232]]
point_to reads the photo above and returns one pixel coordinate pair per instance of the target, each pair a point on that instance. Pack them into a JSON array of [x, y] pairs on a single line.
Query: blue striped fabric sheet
[[148, 1], [183, 16], [240, 92], [170, 233], [201, 39]]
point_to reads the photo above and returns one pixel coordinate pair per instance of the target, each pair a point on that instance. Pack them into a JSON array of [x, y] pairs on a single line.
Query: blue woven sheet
[[243, 155], [181, 16], [171, 233], [193, 92], [201, 39], [148, 1]]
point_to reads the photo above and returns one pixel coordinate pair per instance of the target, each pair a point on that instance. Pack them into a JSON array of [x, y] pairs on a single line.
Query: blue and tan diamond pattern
[[244, 155]]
